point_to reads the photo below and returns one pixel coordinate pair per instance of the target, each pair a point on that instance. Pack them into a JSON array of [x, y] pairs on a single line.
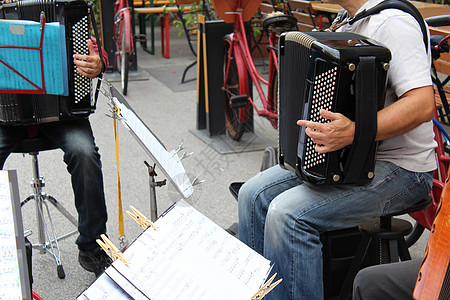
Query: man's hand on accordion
[[88, 65], [330, 136]]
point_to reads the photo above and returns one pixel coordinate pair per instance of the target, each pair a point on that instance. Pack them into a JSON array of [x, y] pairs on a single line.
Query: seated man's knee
[[81, 152]]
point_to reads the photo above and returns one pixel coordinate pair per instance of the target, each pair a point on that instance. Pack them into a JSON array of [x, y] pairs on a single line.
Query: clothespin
[[141, 219], [111, 250], [266, 288], [115, 112], [42, 21]]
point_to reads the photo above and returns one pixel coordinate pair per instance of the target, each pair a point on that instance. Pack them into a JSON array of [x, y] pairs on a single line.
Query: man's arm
[[412, 109]]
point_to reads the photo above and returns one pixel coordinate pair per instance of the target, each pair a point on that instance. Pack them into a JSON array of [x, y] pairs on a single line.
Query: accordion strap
[[402, 5], [365, 118]]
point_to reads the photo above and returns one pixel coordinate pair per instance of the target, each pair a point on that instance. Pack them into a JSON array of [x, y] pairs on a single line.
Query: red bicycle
[[239, 65], [123, 38]]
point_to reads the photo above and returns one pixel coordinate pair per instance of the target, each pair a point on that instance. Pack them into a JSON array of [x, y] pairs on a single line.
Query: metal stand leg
[[48, 241], [153, 184]]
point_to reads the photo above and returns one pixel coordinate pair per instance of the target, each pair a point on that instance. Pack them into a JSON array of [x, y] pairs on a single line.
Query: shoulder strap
[[403, 5]]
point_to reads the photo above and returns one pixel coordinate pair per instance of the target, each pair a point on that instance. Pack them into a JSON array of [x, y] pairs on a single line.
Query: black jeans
[[81, 155]]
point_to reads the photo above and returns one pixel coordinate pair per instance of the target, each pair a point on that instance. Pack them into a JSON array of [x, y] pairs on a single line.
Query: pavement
[[168, 108]]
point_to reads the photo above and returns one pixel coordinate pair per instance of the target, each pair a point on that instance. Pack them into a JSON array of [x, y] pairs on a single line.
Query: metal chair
[[48, 241]]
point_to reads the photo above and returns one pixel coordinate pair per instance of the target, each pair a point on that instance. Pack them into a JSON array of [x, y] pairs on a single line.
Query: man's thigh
[[329, 207]]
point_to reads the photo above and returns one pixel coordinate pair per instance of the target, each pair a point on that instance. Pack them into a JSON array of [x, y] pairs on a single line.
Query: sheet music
[[23, 33], [189, 257], [104, 289], [10, 284], [169, 163]]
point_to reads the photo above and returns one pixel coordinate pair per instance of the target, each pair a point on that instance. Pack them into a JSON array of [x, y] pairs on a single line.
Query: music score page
[[168, 162], [187, 257], [19, 43]]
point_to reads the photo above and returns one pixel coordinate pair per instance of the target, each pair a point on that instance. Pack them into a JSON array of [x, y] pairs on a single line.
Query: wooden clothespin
[[111, 250], [141, 219], [266, 288]]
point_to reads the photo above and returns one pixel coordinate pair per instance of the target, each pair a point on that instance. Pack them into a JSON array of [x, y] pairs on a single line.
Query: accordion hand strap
[[99, 45], [366, 102]]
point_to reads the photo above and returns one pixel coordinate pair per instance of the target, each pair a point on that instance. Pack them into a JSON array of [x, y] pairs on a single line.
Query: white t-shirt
[[409, 69]]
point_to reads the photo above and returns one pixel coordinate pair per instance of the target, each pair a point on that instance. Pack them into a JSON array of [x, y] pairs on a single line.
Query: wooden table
[[425, 8]]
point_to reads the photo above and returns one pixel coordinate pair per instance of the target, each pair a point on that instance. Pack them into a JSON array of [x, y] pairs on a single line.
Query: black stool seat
[[389, 234], [387, 227], [234, 188], [397, 229], [34, 144]]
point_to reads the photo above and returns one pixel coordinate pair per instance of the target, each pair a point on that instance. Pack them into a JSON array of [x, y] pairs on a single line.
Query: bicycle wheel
[[124, 60], [233, 115]]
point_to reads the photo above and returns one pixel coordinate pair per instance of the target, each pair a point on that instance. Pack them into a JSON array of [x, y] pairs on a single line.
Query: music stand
[[168, 162]]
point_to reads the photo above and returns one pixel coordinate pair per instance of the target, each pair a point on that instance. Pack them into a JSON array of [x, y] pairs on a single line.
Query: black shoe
[[94, 261]]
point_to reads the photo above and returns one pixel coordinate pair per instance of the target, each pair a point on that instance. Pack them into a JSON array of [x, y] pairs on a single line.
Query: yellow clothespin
[[266, 288], [111, 250], [116, 111], [141, 219]]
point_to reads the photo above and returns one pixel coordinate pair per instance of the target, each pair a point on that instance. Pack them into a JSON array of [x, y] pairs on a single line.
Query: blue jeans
[[281, 217], [81, 155]]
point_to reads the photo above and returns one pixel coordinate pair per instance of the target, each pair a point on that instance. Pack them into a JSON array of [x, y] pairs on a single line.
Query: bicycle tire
[[273, 101], [124, 62], [234, 127], [415, 235]]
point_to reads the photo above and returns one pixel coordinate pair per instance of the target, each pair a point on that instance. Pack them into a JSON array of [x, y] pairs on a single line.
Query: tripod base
[[48, 241]]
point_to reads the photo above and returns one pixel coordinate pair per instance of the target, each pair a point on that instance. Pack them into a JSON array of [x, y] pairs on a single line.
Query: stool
[[48, 241], [389, 234]]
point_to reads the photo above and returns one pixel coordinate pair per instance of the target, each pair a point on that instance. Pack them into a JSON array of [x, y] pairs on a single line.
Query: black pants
[[394, 281], [81, 155]]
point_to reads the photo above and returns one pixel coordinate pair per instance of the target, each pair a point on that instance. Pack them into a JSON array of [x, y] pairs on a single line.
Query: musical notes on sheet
[[22, 61], [188, 257]]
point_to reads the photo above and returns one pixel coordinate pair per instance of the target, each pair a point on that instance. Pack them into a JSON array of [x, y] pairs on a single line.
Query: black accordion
[[340, 72], [25, 109]]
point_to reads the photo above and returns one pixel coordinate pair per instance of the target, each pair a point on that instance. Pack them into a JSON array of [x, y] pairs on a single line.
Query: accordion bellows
[[25, 109], [339, 72]]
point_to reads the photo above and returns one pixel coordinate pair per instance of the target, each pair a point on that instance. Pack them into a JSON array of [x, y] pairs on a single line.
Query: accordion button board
[[339, 72]]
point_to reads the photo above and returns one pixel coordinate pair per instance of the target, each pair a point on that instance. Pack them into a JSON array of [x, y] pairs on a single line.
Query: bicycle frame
[[246, 65], [123, 14]]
